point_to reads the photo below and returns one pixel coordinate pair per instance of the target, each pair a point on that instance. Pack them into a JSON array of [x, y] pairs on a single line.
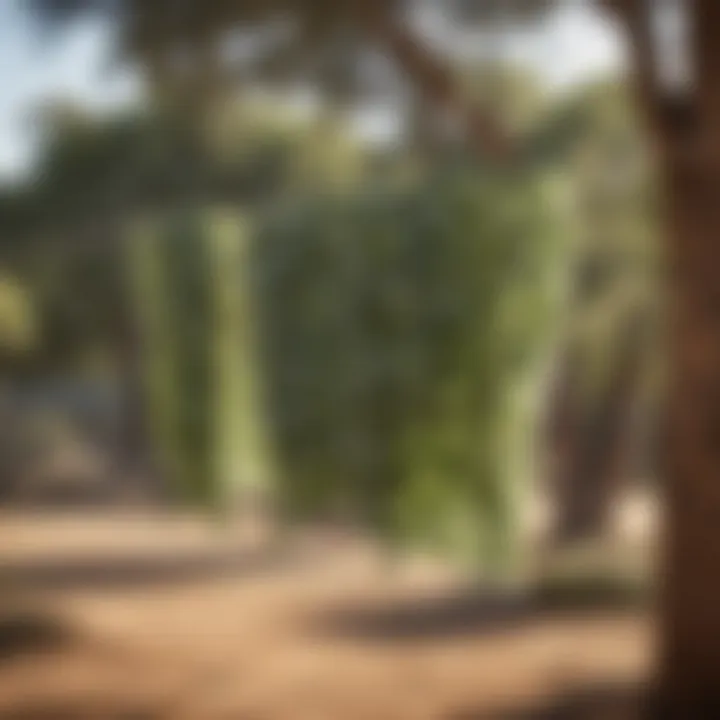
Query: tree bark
[[689, 672], [591, 445], [686, 130]]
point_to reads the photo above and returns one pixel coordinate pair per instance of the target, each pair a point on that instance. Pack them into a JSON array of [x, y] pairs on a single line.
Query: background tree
[[96, 179], [608, 371], [681, 112]]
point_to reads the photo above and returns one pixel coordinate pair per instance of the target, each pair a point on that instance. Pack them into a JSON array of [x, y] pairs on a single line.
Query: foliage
[[186, 275], [401, 329], [18, 319], [387, 315], [617, 262]]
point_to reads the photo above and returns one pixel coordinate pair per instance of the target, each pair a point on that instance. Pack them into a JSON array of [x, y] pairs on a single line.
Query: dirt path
[[173, 619]]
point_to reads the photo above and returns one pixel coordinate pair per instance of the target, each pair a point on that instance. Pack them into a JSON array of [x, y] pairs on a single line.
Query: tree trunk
[[592, 448], [433, 77], [690, 610], [685, 125]]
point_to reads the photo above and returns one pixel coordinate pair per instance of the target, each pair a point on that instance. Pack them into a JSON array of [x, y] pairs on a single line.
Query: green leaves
[[397, 327], [189, 279], [18, 318]]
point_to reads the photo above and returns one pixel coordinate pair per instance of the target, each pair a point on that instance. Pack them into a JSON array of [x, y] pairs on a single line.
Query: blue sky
[[35, 69], [571, 45]]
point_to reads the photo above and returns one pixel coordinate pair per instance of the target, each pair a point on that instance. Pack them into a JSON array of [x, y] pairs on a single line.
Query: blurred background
[[312, 407]]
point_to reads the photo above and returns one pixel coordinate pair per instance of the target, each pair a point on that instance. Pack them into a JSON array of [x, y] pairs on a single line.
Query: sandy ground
[[172, 618]]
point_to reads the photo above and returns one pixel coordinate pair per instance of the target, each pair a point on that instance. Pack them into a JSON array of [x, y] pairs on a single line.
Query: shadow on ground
[[106, 709], [597, 702], [23, 633], [141, 570], [472, 611]]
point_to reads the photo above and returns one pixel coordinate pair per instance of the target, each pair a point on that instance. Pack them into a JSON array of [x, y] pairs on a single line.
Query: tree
[[404, 327], [615, 303], [682, 116], [68, 229], [182, 48]]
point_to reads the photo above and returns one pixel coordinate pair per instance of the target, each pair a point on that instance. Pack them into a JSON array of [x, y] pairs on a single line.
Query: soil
[[139, 616]]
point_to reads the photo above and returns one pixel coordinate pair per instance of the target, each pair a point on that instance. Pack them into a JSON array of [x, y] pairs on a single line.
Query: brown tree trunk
[[690, 610], [592, 445], [686, 125]]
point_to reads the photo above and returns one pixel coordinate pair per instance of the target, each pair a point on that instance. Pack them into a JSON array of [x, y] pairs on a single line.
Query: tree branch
[[432, 76], [673, 120]]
